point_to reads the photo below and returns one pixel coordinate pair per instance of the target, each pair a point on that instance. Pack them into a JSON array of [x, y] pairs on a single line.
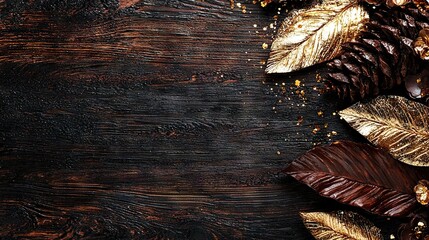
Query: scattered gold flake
[[239, 5], [265, 28], [318, 78], [278, 152], [320, 113], [326, 125], [231, 4], [300, 120], [334, 133], [297, 83], [243, 8], [255, 25], [316, 129], [264, 45], [264, 3], [392, 236], [271, 25], [419, 80], [263, 61]]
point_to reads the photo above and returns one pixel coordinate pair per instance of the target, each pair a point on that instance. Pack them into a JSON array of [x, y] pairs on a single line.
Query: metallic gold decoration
[[400, 2], [340, 225], [396, 124], [315, 35], [421, 44], [422, 192]]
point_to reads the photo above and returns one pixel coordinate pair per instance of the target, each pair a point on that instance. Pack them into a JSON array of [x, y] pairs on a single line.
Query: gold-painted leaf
[[396, 124], [315, 35], [340, 225]]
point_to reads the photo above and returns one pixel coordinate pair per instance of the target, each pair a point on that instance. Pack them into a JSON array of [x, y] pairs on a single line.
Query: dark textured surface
[[154, 121]]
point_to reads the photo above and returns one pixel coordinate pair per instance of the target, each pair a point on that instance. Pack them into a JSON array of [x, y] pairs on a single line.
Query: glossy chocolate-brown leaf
[[359, 175]]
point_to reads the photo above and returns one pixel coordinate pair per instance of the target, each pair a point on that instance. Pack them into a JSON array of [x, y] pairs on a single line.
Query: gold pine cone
[[421, 44], [422, 192]]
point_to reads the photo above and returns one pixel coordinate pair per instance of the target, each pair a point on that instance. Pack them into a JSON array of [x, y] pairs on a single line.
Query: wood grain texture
[[151, 120]]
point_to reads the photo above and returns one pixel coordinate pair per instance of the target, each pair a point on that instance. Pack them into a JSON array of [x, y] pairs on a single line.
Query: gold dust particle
[[334, 133], [300, 120], [278, 152], [392, 236], [297, 83], [326, 125], [271, 25], [264, 4], [334, 114], [255, 25], [316, 129], [264, 46], [419, 80], [263, 61], [265, 28], [231, 4], [320, 113], [318, 78], [239, 5], [243, 9]]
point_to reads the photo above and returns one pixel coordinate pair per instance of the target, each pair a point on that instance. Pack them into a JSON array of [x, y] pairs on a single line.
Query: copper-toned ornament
[[421, 44], [422, 192]]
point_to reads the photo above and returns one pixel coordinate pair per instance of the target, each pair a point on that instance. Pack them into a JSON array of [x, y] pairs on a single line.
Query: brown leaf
[[315, 35], [340, 225], [359, 175], [396, 124]]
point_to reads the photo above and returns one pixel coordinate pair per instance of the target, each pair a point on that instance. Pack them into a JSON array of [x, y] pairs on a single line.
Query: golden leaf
[[340, 225], [396, 124], [315, 35]]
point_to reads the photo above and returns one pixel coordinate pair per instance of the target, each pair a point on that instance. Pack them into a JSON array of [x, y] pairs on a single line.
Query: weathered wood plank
[[152, 121]]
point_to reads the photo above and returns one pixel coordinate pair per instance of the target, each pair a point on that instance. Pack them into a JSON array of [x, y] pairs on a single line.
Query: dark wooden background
[[153, 120]]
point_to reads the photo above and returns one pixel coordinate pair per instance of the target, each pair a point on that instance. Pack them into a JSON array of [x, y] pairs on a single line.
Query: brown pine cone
[[381, 57]]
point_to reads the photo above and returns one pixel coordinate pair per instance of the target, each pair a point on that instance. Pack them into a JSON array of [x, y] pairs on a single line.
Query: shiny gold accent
[[315, 35], [422, 192], [396, 124], [340, 225], [421, 44], [400, 2]]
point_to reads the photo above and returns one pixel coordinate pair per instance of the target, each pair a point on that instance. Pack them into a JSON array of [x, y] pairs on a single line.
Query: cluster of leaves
[[387, 176]]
